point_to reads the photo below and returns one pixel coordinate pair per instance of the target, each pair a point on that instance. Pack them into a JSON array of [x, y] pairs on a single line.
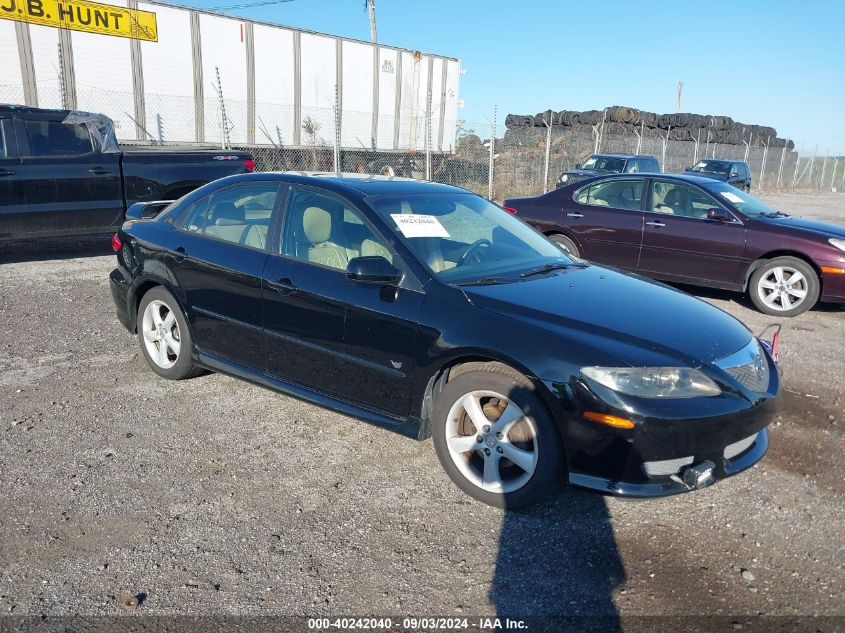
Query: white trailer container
[[211, 78]]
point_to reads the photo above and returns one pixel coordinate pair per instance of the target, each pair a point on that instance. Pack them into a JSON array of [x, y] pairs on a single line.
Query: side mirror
[[718, 215], [372, 270], [577, 165], [146, 210]]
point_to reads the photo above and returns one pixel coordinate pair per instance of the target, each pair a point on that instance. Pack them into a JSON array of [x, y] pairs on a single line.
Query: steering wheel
[[472, 248]]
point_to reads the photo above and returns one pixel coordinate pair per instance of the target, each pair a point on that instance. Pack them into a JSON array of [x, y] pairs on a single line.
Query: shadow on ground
[[558, 565]]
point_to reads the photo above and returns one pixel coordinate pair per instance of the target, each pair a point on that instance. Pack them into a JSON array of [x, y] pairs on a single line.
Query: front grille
[[751, 376], [749, 367]]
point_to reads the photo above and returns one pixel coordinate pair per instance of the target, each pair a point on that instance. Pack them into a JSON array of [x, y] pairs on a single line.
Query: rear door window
[[619, 194], [54, 138]]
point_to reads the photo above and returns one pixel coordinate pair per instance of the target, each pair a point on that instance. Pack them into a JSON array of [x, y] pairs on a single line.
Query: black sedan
[[431, 311]]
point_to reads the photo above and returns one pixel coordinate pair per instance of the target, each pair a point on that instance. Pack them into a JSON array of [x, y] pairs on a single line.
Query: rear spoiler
[[146, 210]]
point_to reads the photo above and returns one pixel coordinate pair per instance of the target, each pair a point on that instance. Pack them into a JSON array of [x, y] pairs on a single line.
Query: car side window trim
[[641, 208], [207, 199]]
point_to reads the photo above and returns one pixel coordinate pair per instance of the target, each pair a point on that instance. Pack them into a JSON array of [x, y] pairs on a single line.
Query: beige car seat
[[314, 242], [678, 201], [226, 222]]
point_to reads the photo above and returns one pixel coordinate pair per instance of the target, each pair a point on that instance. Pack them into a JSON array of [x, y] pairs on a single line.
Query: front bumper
[[675, 484], [727, 433]]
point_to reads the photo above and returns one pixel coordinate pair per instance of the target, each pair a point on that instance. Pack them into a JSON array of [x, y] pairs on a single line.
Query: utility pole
[[371, 6], [680, 94]]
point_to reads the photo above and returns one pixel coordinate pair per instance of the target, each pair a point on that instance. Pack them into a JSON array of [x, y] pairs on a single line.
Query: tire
[[530, 435], [566, 244], [772, 291], [156, 328]]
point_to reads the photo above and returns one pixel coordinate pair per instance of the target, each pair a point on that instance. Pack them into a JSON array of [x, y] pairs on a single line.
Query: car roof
[[722, 160], [622, 156], [358, 184], [699, 180]]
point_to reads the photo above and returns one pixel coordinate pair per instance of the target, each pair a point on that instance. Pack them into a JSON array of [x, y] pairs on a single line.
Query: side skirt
[[409, 427]]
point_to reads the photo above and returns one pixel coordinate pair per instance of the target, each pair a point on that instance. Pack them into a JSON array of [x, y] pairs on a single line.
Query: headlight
[[840, 244], [563, 178], [654, 382]]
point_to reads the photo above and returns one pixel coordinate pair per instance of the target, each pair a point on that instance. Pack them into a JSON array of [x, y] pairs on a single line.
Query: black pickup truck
[[63, 173]]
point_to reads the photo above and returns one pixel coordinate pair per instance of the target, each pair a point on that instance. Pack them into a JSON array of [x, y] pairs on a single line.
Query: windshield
[[605, 164], [711, 167], [463, 238], [741, 201]]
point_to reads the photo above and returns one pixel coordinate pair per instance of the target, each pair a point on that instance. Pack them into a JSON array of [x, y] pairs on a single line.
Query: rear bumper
[[121, 294]]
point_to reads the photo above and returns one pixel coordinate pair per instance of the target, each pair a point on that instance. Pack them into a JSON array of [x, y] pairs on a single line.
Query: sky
[[764, 62]]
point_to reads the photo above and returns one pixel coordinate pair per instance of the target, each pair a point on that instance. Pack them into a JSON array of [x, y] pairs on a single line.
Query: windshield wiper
[[549, 268], [487, 281], [776, 214]]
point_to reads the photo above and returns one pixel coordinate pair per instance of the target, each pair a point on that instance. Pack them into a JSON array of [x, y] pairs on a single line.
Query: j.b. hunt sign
[[81, 15]]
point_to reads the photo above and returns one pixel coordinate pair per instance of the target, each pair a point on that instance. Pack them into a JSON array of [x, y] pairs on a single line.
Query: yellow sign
[[81, 15]]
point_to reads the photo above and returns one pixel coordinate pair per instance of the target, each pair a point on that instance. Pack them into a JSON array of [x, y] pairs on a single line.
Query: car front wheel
[[164, 336], [784, 286], [496, 439]]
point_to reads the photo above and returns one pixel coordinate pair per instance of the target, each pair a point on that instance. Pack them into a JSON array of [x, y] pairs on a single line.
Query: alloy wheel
[[161, 334], [782, 288], [491, 441]]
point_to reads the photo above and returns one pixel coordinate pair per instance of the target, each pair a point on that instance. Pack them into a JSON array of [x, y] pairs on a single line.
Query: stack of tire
[[622, 120]]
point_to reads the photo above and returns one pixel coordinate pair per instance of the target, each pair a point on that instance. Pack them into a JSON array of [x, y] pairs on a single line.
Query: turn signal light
[[610, 420], [510, 210], [835, 271], [116, 244], [249, 164]]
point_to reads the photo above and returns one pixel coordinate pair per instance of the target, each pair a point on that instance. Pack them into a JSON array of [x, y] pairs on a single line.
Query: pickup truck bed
[[62, 175]]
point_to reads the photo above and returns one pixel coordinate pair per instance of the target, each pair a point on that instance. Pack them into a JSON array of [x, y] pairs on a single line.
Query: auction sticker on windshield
[[413, 225]]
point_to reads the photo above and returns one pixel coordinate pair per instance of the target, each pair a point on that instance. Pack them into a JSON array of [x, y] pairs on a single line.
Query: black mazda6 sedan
[[431, 311]]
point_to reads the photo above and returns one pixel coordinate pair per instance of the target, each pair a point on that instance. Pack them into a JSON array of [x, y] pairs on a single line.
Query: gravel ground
[[212, 496]]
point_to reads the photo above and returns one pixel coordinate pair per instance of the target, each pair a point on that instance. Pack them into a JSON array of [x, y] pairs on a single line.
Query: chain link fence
[[484, 157]]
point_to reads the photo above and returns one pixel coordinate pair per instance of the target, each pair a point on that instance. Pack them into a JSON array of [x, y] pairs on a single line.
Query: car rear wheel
[[164, 336], [784, 286], [496, 439], [565, 244]]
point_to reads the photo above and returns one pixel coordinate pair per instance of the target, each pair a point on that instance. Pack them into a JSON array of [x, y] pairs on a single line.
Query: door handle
[[574, 214], [656, 223], [99, 171], [6, 172], [180, 254], [284, 286]]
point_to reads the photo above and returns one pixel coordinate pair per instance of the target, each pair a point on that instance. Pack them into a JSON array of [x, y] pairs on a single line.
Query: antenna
[[680, 95]]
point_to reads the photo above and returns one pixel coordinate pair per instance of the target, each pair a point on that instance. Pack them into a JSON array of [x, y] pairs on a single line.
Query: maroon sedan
[[698, 231]]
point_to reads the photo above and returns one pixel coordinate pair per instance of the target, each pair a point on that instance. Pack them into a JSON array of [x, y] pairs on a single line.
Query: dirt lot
[[214, 496]]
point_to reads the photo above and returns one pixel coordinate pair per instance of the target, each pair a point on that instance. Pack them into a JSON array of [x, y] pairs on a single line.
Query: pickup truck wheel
[[164, 336], [565, 244], [784, 286], [496, 439]]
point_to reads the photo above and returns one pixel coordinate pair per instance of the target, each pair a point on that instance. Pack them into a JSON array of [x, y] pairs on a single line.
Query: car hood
[[825, 229], [722, 177], [639, 322]]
